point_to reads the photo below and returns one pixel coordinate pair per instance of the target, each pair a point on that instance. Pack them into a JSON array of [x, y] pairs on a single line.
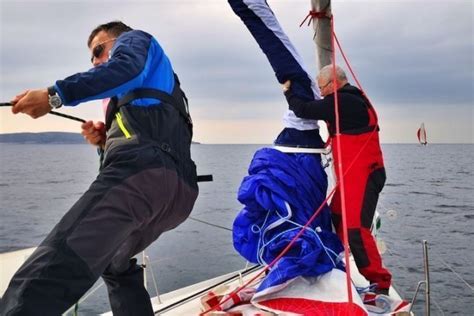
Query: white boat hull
[[184, 301], [10, 262]]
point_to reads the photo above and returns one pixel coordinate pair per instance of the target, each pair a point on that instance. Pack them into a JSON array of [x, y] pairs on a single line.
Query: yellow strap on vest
[[118, 116]]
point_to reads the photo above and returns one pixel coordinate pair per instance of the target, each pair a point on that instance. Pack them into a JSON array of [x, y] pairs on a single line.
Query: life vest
[[167, 126], [177, 99]]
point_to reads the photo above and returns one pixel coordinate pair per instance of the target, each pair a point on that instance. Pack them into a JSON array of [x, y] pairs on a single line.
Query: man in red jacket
[[362, 164]]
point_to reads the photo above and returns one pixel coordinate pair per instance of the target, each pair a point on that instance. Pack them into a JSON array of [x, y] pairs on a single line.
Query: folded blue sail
[[280, 194]]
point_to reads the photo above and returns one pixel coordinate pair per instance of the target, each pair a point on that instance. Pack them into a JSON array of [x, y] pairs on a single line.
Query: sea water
[[428, 196]]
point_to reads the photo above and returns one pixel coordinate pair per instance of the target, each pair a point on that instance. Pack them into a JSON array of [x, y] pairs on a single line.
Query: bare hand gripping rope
[[200, 178], [54, 113]]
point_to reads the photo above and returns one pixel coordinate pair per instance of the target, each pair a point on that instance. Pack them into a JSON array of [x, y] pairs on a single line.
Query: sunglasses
[[324, 86], [98, 50]]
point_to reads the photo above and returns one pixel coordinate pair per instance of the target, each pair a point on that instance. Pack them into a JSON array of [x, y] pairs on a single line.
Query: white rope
[[437, 306], [406, 268], [454, 272], [148, 262], [437, 256], [241, 277], [208, 223]]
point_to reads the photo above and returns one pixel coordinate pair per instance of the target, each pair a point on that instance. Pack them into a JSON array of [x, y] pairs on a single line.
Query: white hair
[[327, 71]]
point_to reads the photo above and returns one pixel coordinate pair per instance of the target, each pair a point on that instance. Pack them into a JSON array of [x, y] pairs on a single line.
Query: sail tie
[[315, 14]]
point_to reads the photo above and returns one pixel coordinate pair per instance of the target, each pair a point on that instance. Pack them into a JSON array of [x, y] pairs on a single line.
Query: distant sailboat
[[421, 133]]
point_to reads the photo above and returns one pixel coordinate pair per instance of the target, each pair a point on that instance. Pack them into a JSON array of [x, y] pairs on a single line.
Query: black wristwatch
[[55, 101]]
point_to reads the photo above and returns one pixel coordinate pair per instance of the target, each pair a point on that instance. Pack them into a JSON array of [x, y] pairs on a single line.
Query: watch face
[[55, 101]]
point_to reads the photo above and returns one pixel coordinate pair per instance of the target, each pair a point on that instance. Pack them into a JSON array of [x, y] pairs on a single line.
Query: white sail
[[421, 134]]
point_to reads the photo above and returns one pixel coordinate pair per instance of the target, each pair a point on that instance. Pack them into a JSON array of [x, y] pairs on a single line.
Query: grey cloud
[[403, 51]]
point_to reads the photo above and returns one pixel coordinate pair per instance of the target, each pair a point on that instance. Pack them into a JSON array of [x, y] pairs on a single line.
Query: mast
[[322, 32]]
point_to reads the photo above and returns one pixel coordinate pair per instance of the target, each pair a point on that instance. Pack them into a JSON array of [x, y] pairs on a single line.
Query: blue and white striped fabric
[[282, 55], [282, 191]]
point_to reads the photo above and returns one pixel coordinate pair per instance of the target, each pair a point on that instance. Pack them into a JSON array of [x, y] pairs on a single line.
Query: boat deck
[[186, 301]]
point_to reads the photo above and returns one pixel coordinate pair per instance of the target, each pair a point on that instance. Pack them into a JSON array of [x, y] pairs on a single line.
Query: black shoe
[[381, 291], [378, 290]]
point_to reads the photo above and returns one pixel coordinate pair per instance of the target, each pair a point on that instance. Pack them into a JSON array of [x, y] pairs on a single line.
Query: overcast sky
[[414, 59]]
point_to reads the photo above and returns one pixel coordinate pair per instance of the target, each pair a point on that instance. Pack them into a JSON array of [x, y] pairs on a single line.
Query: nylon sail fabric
[[281, 54], [280, 194], [283, 190]]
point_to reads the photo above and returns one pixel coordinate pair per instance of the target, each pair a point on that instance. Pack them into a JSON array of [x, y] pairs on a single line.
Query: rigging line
[[282, 253], [74, 118], [393, 254], [348, 280], [444, 263], [339, 172], [346, 60], [437, 306], [148, 264], [406, 268], [200, 178], [454, 272], [334, 37], [353, 74], [208, 223], [201, 292], [85, 297]]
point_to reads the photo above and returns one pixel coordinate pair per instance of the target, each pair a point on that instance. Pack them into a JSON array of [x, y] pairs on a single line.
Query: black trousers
[[137, 196]]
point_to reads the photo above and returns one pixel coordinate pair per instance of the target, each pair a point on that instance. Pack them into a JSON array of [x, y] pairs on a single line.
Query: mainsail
[[421, 134]]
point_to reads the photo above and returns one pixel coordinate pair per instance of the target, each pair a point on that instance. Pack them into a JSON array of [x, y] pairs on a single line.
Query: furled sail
[[421, 134], [282, 190], [284, 194]]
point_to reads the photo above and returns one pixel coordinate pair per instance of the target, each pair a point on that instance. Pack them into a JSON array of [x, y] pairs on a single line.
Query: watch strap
[[52, 91]]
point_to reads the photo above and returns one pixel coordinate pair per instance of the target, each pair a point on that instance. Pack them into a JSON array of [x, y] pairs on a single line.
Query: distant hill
[[44, 138]]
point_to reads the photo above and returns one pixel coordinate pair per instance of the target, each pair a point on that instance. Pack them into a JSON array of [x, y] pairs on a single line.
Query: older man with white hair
[[362, 163]]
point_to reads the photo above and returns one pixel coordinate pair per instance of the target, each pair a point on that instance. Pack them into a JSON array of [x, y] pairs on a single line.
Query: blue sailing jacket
[[136, 61], [280, 194]]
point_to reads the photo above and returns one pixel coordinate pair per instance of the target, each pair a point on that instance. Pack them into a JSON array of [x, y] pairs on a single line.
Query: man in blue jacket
[[146, 185]]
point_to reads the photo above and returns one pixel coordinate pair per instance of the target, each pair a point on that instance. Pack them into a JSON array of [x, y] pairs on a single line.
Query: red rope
[[363, 92], [353, 74], [340, 170], [335, 39], [314, 14], [278, 257], [340, 181]]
